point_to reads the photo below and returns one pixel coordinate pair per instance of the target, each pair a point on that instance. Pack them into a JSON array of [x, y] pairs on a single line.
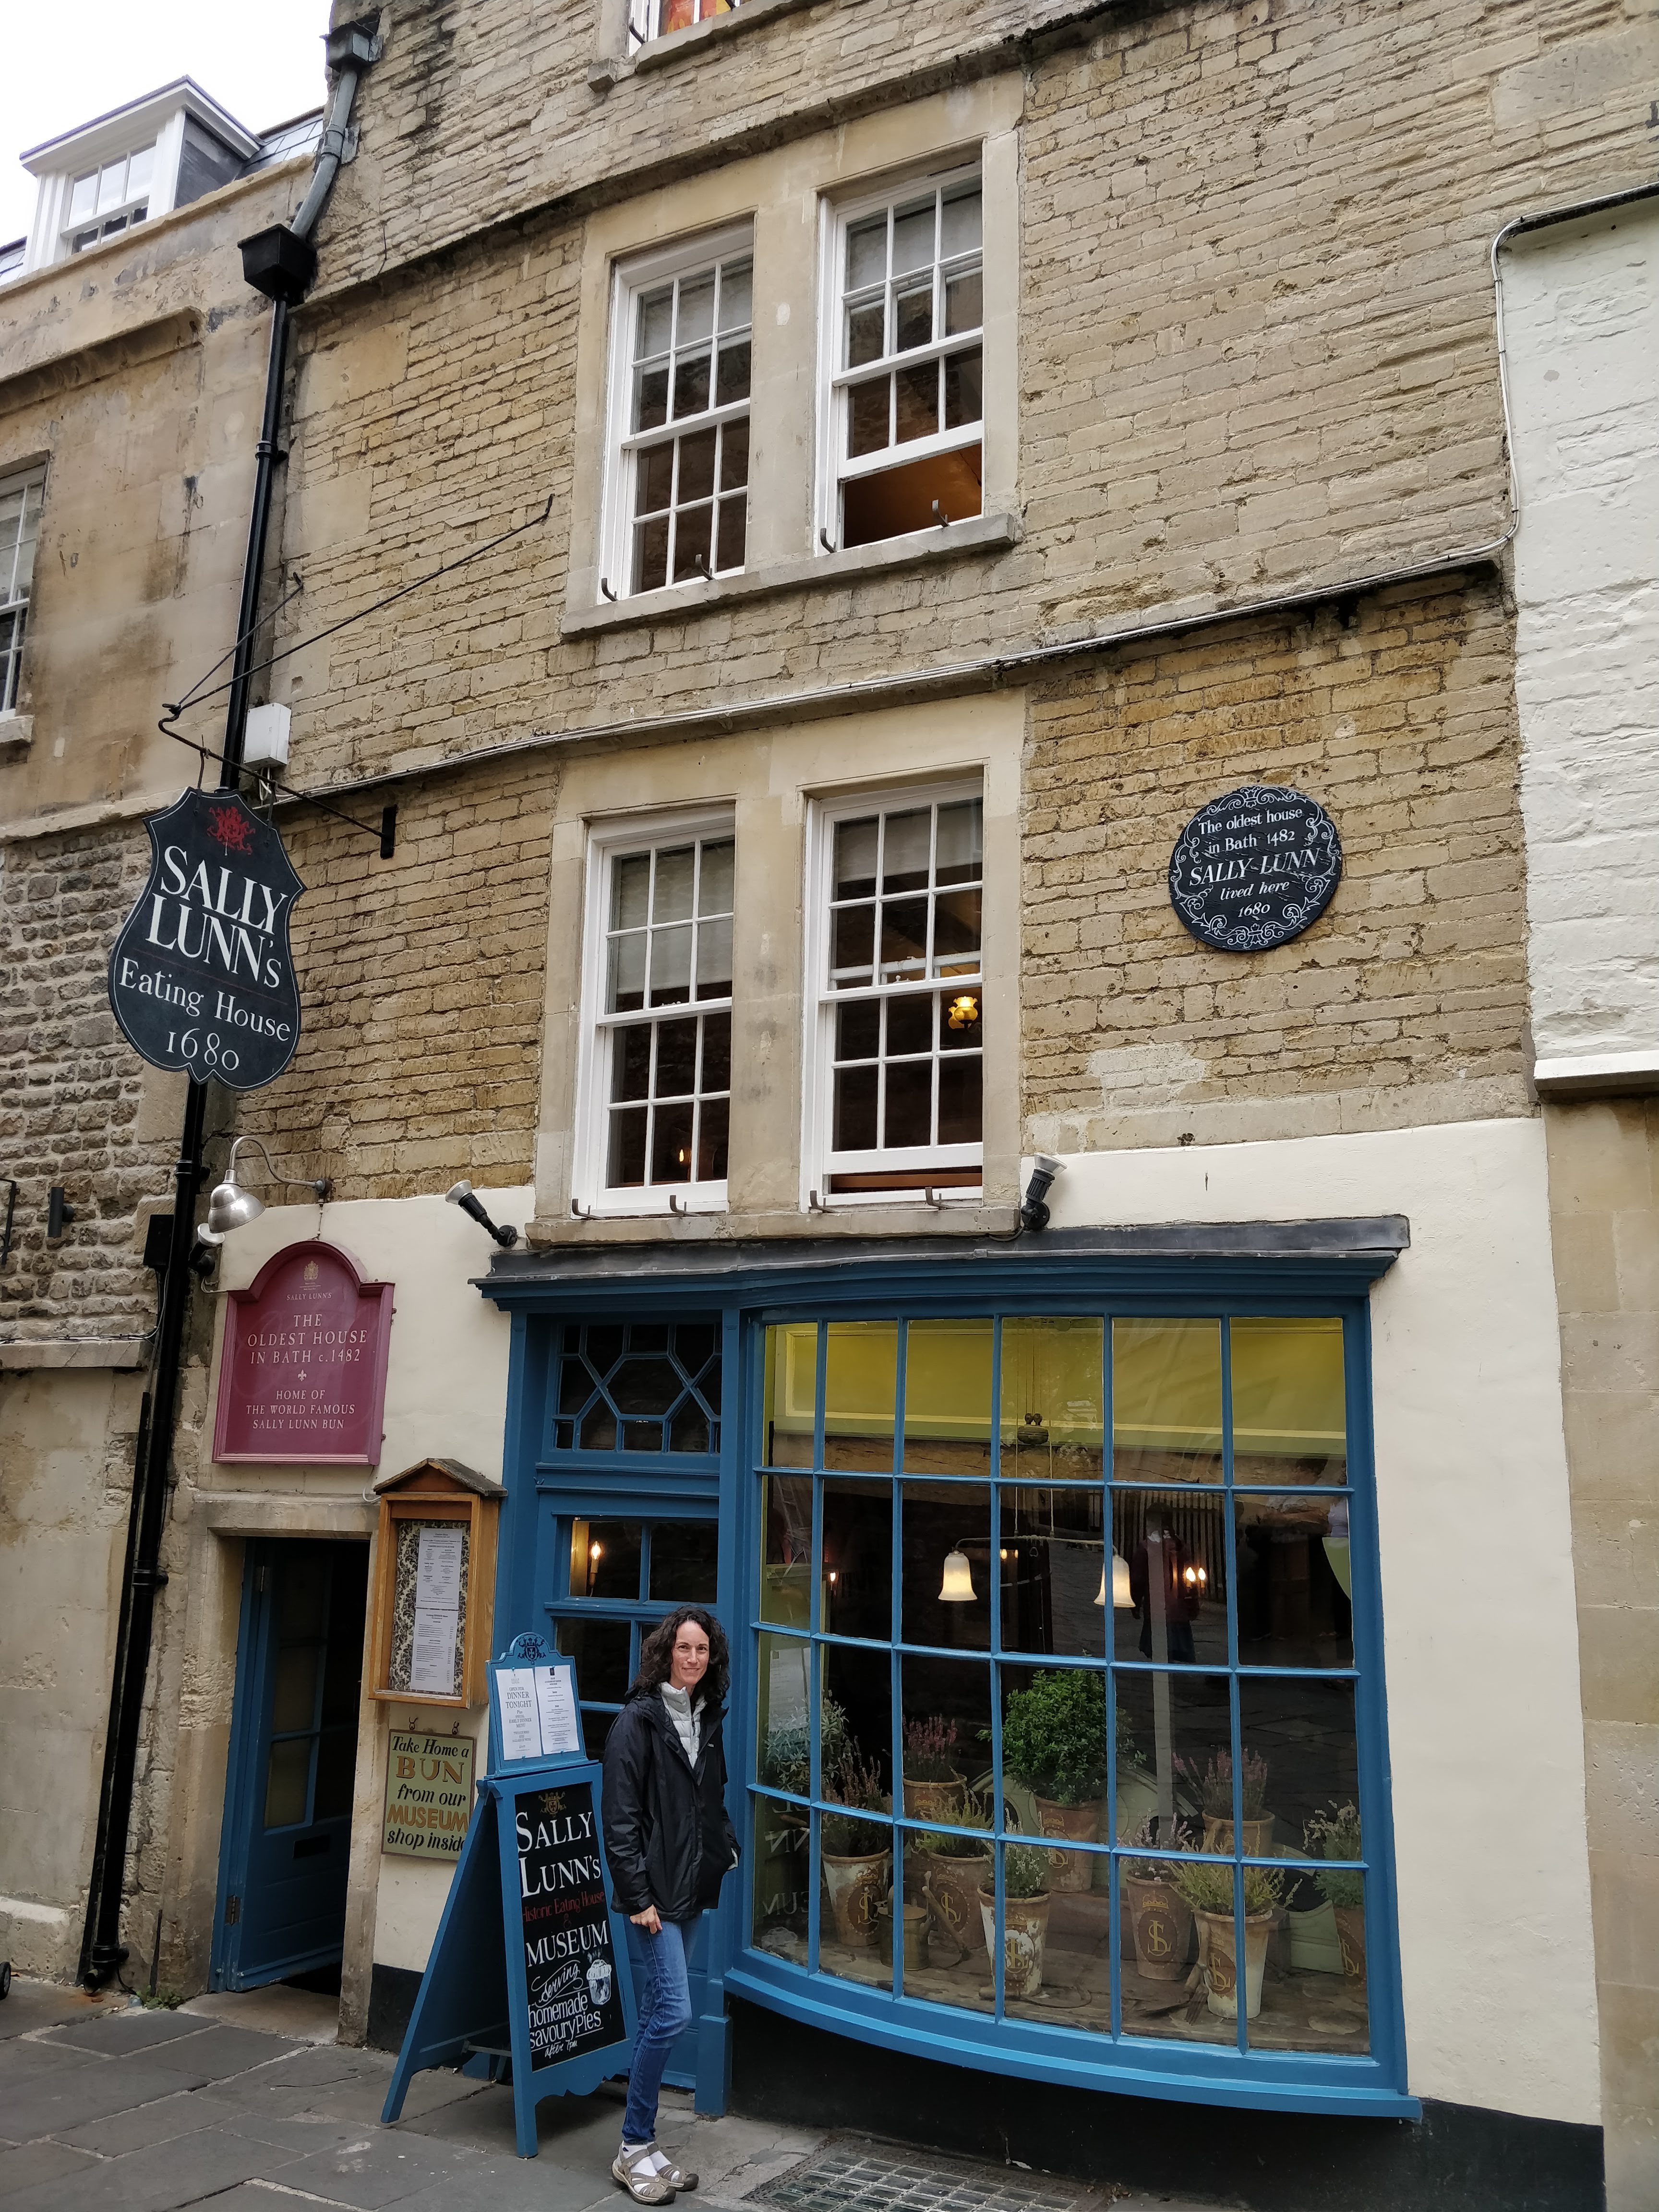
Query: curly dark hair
[[657, 1654]]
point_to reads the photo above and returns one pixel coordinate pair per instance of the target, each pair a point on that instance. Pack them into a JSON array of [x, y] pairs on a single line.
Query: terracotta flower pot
[[1258, 1835], [858, 1885], [951, 1890], [1351, 1935], [1072, 1824], [1161, 1922], [933, 1801], [1217, 1955], [1025, 1931]]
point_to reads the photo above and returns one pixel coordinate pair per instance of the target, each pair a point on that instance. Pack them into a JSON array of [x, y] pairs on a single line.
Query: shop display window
[[1056, 1711]]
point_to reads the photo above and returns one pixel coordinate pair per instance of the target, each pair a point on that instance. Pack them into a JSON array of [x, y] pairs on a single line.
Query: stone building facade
[[1246, 516]]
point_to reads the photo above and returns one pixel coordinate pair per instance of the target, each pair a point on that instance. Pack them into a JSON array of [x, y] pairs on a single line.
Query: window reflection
[[1056, 1577], [856, 1597], [1294, 1606], [947, 1397], [1109, 1631], [1051, 1387], [949, 1585], [1174, 1547], [860, 1394], [1289, 1416], [1166, 1401]]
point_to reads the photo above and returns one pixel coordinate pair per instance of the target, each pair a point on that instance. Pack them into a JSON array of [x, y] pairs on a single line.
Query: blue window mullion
[[896, 1664], [1108, 1629], [1235, 1718]]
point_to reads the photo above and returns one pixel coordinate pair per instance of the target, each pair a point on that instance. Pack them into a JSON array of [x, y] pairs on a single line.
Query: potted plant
[[955, 1869], [932, 1783], [1335, 1835], [1053, 1739], [787, 1764], [1208, 1889], [1025, 1890], [857, 1854], [1214, 1787], [1160, 1918]]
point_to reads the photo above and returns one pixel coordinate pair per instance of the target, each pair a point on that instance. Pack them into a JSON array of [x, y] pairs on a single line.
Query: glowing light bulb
[[962, 1012]]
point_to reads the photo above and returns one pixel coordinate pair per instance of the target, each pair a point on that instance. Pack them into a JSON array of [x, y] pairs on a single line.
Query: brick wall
[[1405, 1002], [73, 1091], [1255, 329], [421, 982]]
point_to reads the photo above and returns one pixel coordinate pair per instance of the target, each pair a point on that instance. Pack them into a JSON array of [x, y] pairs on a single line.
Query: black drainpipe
[[281, 263]]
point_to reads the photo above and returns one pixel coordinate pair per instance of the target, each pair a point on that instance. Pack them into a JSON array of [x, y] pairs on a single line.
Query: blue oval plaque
[[1254, 869]]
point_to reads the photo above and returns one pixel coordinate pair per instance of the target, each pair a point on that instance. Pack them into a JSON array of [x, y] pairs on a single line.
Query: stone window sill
[[696, 39], [684, 602], [16, 735]]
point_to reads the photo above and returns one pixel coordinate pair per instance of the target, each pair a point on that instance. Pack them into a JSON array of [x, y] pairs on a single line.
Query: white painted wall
[[445, 1398], [1485, 1733], [1582, 321]]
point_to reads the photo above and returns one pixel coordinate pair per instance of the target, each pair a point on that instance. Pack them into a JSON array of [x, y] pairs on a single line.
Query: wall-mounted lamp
[[1033, 1213], [231, 1206], [461, 1195], [59, 1212], [962, 1012], [957, 1587], [1122, 1599]]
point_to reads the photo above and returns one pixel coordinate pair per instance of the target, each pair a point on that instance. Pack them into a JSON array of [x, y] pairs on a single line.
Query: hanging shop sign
[[525, 1970], [302, 1377], [1255, 868], [202, 976], [428, 1794]]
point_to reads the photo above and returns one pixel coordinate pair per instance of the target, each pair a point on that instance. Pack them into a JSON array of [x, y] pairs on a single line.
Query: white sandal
[[633, 2168]]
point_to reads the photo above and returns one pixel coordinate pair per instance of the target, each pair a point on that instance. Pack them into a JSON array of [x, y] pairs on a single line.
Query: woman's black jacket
[[666, 1833]]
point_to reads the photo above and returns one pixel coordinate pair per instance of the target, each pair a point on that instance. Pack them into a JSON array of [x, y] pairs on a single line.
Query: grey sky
[[262, 59]]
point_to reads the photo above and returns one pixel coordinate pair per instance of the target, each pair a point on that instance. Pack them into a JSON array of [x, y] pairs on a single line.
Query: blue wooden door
[[293, 1758]]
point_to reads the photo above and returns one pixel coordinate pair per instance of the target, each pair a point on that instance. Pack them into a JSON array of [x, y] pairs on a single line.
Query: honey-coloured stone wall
[[1406, 1002]]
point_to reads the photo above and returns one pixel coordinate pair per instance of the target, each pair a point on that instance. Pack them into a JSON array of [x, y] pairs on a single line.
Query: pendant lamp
[[1120, 1597], [957, 1587]]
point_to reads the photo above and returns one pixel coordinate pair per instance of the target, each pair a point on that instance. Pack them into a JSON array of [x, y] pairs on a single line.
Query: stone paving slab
[[163, 2178], [137, 2111], [31, 2164], [42, 2004], [23, 2060], [113, 2034], [94, 2090]]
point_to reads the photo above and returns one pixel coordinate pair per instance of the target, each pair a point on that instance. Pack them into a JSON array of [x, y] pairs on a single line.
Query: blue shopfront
[[1058, 1725]]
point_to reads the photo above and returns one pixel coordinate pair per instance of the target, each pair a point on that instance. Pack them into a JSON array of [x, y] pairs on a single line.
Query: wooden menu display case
[[434, 1582]]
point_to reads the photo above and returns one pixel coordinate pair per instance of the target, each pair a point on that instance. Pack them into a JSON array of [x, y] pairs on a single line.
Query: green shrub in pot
[[1054, 1736]]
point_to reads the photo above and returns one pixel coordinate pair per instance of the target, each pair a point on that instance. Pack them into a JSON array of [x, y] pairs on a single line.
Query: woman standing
[[671, 1846]]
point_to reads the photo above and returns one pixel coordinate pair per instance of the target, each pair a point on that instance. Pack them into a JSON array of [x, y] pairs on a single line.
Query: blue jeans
[[664, 1996]]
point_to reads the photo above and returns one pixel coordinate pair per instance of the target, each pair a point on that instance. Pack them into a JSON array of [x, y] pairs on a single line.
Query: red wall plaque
[[303, 1374]]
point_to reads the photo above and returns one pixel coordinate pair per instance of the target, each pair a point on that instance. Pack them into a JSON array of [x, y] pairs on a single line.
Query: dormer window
[[136, 165], [104, 201]]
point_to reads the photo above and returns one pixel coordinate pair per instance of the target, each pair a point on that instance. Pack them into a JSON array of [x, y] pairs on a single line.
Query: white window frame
[[834, 468], [121, 215], [12, 601], [637, 274], [818, 1163], [645, 19], [609, 842]]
